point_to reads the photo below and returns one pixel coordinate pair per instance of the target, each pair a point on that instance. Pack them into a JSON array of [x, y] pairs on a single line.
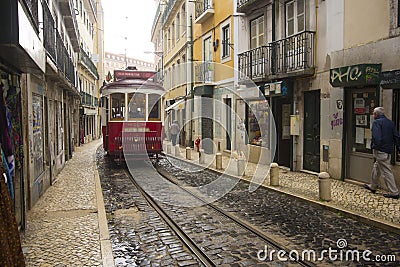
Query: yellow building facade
[[214, 100]]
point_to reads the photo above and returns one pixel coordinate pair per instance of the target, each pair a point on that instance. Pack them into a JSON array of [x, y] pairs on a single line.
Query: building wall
[[370, 25]]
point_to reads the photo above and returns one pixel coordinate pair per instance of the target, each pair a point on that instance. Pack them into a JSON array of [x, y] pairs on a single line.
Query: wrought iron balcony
[[292, 56], [203, 10], [68, 12], [204, 72], [85, 60], [249, 5], [49, 33], [94, 7], [33, 8], [63, 60], [169, 7]]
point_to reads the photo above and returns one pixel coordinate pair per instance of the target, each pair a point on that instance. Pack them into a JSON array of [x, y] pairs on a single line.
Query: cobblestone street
[[63, 227]]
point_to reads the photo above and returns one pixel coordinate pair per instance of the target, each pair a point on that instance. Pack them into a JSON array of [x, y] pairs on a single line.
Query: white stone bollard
[[168, 148], [188, 153], [324, 183], [202, 157], [274, 174], [218, 161], [241, 164], [177, 151]]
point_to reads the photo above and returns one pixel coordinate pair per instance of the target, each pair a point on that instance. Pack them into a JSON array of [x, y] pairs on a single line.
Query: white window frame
[[228, 57], [258, 33], [295, 17]]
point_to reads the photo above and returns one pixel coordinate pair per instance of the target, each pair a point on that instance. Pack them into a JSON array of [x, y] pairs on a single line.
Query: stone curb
[[354, 215], [105, 243]]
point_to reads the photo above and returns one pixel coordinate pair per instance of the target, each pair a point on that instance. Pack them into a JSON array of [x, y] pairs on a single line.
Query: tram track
[[256, 231], [187, 241]]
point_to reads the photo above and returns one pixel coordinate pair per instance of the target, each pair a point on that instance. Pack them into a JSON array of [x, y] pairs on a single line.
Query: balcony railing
[[93, 4], [167, 10], [203, 9], [85, 59], [33, 8], [204, 72], [49, 33], [287, 57], [63, 61]]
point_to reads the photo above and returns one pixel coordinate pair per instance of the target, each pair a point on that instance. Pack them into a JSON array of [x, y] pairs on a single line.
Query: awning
[[180, 104]]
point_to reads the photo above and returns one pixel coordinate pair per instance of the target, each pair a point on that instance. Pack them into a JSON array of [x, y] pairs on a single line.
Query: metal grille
[[280, 57], [202, 6], [32, 6], [49, 32]]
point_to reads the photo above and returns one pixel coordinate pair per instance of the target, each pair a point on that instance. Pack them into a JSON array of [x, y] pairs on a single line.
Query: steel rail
[[232, 217], [187, 241]]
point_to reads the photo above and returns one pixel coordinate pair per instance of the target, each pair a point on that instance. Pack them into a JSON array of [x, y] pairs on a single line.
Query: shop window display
[[258, 123]]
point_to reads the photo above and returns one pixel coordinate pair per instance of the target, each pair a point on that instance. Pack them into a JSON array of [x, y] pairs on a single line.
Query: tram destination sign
[[132, 74], [356, 75]]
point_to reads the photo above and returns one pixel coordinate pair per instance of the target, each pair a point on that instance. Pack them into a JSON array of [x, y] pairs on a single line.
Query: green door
[[311, 151]]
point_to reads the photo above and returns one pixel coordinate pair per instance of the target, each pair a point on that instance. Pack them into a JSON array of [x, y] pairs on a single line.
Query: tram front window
[[117, 106], [154, 107], [136, 106]]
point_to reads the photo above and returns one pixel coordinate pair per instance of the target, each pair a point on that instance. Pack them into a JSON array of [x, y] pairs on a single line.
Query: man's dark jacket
[[384, 134]]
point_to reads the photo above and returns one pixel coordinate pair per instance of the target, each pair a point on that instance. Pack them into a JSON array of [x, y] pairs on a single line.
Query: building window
[[208, 49], [178, 26], [173, 33], [183, 18], [257, 32], [295, 17], [226, 41]]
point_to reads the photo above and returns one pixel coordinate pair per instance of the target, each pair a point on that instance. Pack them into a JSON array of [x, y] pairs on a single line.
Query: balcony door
[[295, 24], [208, 59]]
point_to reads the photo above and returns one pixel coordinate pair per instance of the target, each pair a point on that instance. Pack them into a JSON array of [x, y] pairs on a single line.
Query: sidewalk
[[67, 226], [347, 198]]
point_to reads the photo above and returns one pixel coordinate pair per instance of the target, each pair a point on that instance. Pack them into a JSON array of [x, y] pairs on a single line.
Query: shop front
[[11, 103], [280, 97], [259, 127], [361, 92], [391, 82]]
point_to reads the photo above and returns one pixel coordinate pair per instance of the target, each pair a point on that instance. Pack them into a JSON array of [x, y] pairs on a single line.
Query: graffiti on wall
[[350, 73], [336, 121], [361, 74]]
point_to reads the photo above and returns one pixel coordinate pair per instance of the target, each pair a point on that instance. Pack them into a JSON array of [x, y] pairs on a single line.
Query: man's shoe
[[392, 196], [370, 189]]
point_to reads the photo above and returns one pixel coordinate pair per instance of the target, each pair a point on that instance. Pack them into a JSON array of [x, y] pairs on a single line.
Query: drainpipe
[[191, 82]]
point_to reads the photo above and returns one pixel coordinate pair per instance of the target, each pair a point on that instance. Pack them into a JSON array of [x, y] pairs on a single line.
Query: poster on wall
[[359, 106], [361, 120], [37, 129]]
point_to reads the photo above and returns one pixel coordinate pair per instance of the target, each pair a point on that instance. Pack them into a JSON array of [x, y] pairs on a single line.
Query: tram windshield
[[154, 105], [117, 106], [136, 106]]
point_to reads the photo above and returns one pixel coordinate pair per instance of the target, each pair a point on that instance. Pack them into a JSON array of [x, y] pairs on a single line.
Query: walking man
[[384, 136], [174, 131]]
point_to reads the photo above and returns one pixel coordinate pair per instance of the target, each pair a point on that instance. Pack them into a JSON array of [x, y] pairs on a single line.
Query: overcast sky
[[132, 19]]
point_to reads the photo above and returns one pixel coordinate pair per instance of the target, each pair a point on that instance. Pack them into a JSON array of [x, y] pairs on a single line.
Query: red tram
[[132, 115]]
